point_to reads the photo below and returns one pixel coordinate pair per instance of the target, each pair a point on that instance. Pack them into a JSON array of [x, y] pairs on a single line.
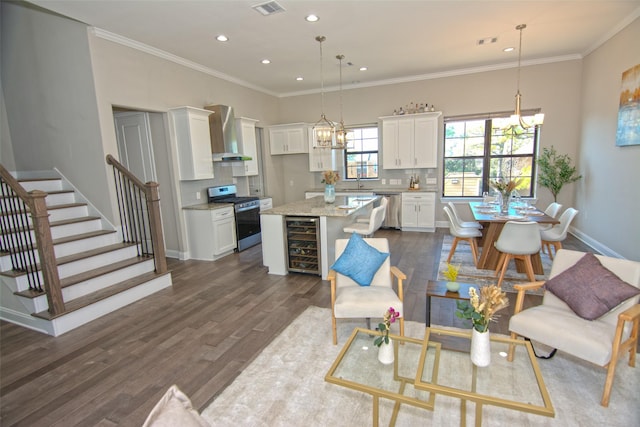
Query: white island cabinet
[[332, 218], [418, 211], [410, 141], [211, 231], [193, 142]]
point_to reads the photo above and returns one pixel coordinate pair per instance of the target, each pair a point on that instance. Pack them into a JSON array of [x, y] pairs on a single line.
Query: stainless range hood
[[224, 142]]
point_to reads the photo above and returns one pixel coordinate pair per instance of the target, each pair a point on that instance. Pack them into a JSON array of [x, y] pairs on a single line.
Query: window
[[361, 155], [482, 150]]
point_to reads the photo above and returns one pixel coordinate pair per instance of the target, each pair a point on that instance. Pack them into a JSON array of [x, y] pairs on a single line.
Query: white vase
[[453, 286], [385, 353], [480, 348]]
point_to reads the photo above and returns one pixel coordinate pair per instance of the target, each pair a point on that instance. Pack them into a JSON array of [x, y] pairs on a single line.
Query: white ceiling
[[398, 40]]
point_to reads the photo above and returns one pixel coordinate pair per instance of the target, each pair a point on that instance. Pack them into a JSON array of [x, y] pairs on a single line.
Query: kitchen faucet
[[358, 181]]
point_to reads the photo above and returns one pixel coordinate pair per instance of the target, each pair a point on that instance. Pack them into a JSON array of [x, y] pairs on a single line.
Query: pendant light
[[341, 132], [324, 131], [516, 118]]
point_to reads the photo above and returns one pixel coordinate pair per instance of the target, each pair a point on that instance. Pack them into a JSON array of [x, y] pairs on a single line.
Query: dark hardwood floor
[[199, 334]]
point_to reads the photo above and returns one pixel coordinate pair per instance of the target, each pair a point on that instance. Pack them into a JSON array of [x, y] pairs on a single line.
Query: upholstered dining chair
[[469, 235], [589, 310], [517, 240], [552, 210], [556, 234], [458, 218], [351, 299], [369, 228]]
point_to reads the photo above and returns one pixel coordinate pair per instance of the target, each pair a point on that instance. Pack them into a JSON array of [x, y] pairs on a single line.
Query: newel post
[[155, 222], [48, 265]]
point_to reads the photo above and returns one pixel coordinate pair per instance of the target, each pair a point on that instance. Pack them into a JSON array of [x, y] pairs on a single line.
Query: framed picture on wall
[[628, 132]]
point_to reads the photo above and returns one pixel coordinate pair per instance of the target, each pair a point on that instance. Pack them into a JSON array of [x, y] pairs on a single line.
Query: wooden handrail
[[152, 196], [35, 201]]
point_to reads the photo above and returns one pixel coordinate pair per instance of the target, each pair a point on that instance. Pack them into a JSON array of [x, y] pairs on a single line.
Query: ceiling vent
[[268, 8]]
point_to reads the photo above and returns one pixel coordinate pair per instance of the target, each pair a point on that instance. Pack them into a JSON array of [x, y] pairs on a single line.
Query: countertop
[[208, 206], [316, 206], [378, 190]]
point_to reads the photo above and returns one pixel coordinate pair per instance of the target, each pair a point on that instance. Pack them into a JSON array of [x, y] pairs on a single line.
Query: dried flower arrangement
[[482, 309], [330, 177]]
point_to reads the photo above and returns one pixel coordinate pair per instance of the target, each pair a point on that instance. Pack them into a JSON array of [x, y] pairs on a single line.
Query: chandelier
[[341, 132], [324, 131], [516, 118]]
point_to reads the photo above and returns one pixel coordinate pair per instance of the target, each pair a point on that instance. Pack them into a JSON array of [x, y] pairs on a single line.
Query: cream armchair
[[350, 300], [600, 340]]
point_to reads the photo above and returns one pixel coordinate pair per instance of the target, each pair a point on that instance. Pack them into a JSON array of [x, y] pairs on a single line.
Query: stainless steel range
[[247, 211]]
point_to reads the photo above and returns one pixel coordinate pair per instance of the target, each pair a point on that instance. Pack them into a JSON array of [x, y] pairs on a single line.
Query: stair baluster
[[139, 207]]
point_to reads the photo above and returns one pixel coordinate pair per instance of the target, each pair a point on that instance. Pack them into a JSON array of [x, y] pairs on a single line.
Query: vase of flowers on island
[[383, 342], [505, 189], [451, 274], [481, 310], [329, 178]]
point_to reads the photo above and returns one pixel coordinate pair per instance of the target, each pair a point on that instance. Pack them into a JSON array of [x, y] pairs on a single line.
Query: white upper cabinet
[[193, 142], [410, 141], [246, 131], [288, 139]]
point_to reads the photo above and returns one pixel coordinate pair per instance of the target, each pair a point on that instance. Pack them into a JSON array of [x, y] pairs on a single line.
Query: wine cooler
[[303, 246]]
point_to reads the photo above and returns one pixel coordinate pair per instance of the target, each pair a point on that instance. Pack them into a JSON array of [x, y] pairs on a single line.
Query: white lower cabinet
[[212, 233], [418, 211]]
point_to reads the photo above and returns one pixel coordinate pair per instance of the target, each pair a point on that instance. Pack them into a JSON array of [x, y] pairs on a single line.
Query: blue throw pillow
[[359, 261]]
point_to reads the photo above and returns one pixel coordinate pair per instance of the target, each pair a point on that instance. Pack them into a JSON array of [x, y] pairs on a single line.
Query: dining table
[[492, 220]]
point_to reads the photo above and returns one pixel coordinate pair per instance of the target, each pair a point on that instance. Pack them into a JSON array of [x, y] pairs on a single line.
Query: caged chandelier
[[516, 118], [324, 131]]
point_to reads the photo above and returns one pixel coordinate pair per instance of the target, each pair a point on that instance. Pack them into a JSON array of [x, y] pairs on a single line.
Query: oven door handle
[[248, 208]]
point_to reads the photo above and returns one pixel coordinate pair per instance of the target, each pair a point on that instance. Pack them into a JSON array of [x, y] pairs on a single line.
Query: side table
[[438, 288]]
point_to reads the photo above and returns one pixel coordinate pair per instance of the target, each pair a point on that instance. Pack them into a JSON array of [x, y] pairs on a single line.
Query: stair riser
[[54, 215], [77, 318], [57, 232], [45, 185], [78, 290], [60, 199], [70, 248], [77, 267]]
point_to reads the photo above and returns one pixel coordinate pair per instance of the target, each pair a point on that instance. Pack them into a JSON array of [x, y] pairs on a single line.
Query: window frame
[[346, 153], [487, 157]]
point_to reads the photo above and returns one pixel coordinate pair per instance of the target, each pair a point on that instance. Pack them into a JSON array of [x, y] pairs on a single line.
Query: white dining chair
[[517, 240], [460, 222], [469, 235], [556, 234], [552, 210]]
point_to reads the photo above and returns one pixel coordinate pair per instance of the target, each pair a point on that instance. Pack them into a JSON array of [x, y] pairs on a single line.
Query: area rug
[[284, 386], [470, 274]]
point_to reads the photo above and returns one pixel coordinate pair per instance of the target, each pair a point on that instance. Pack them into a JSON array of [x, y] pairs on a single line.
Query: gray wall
[[50, 99], [608, 196]]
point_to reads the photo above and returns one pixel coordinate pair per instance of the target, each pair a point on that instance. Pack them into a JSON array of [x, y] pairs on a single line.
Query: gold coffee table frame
[[399, 397], [472, 395]]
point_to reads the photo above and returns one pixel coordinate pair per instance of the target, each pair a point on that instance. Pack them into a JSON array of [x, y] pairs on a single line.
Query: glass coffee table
[[423, 369], [516, 385], [357, 367]]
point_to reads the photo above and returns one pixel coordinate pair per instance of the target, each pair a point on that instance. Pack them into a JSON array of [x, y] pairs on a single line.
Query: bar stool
[[375, 222]]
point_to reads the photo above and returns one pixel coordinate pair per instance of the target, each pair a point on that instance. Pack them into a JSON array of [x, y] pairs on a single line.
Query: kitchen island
[[331, 217]]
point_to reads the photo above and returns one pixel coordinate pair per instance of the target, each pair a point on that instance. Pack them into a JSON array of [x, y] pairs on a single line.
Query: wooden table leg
[[489, 255]]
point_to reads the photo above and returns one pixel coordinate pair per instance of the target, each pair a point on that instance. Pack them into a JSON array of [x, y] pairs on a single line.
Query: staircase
[[98, 272]]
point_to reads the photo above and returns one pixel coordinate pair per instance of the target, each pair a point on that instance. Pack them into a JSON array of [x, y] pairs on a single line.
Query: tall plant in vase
[[555, 170]]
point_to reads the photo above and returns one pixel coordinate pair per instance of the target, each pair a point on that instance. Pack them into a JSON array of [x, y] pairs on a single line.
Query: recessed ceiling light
[[363, 68], [222, 38], [266, 61], [311, 18], [299, 79], [508, 49]]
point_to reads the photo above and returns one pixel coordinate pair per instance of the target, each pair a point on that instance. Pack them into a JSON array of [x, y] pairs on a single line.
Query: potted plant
[[555, 170]]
